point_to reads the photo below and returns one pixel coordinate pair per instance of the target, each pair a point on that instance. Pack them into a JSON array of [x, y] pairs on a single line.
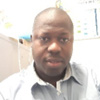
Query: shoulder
[[80, 74], [80, 69], [13, 78], [92, 90], [11, 84]]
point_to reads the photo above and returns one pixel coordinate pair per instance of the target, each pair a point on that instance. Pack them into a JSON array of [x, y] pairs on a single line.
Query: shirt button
[[58, 93]]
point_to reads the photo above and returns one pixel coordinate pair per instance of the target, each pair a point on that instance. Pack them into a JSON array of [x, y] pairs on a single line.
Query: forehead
[[52, 31], [53, 21], [53, 16]]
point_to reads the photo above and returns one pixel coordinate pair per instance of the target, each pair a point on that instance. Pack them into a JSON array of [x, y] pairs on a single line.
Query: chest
[[69, 90]]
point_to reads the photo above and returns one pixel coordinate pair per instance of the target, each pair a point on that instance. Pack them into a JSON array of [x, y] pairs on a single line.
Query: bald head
[[52, 43], [52, 15]]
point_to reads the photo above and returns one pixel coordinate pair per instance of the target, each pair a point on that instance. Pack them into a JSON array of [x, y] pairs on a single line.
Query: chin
[[54, 73]]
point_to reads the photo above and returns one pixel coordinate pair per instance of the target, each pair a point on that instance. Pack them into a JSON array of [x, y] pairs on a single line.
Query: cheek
[[37, 51], [68, 51]]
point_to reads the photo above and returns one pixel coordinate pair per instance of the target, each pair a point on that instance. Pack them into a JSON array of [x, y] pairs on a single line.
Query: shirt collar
[[78, 72], [32, 78], [67, 73]]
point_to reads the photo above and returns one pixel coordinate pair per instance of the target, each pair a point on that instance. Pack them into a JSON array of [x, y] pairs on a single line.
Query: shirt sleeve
[[8, 87], [1, 96], [4, 92], [92, 90]]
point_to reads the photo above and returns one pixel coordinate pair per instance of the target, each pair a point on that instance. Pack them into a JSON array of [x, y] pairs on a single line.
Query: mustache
[[54, 57]]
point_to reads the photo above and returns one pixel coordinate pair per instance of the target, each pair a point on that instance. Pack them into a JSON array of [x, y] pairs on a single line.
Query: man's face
[[52, 45]]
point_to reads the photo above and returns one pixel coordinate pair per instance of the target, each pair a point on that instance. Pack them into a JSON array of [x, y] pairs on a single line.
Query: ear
[[30, 38], [31, 41]]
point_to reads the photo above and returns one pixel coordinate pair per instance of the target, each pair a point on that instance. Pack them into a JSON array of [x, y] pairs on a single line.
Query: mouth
[[54, 62]]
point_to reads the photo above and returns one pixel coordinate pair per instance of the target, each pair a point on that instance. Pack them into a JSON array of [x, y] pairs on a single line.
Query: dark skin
[[52, 44]]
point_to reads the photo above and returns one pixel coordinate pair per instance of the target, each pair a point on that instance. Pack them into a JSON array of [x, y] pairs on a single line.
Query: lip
[[54, 62]]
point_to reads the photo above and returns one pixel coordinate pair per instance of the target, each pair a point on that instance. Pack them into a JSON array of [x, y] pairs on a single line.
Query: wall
[[87, 52], [9, 56]]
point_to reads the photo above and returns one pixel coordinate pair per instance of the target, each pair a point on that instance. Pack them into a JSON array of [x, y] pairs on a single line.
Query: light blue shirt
[[26, 85]]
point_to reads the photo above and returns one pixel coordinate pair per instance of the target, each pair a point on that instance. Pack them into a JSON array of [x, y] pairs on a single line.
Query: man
[[51, 75]]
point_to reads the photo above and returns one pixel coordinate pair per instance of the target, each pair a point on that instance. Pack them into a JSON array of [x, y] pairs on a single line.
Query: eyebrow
[[61, 34], [45, 33], [64, 33]]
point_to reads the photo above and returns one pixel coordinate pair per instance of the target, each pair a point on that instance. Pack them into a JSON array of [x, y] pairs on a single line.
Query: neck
[[50, 79]]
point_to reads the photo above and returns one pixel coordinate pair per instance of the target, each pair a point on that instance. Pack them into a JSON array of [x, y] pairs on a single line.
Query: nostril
[[53, 53], [54, 47]]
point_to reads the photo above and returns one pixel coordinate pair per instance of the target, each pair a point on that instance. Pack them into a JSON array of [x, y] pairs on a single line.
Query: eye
[[45, 39], [64, 40]]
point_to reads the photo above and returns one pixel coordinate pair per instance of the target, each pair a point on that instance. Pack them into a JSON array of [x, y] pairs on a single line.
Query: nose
[[54, 47]]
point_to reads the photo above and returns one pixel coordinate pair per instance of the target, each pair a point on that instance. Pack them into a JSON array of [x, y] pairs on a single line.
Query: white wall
[[9, 58], [88, 52]]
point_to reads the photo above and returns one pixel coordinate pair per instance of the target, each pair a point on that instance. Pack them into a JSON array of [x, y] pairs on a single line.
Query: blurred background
[[16, 20]]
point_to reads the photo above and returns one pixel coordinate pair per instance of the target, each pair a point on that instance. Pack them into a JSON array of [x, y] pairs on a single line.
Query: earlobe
[[30, 38], [31, 41]]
